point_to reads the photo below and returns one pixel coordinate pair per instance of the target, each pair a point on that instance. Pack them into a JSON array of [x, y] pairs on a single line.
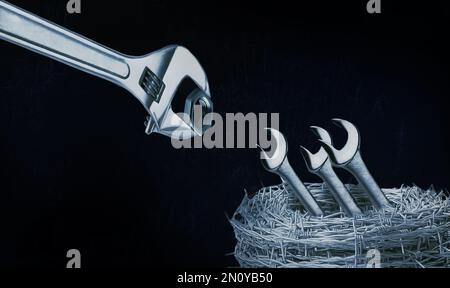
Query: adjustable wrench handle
[[22, 28]]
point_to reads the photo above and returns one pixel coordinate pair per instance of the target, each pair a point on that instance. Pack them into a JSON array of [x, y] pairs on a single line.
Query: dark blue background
[[78, 171]]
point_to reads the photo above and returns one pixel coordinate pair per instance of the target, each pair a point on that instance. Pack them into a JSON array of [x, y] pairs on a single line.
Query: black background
[[78, 171]]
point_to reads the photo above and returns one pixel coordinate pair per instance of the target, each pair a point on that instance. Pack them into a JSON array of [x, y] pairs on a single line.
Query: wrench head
[[314, 161], [160, 78], [351, 147], [274, 161]]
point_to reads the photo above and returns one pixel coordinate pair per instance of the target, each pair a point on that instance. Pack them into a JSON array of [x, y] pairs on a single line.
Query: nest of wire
[[272, 230]]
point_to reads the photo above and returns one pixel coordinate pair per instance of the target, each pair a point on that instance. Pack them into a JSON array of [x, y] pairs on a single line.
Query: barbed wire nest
[[272, 231]]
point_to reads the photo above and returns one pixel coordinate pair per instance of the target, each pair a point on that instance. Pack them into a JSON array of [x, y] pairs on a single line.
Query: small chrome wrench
[[279, 164], [349, 158], [319, 163], [153, 78]]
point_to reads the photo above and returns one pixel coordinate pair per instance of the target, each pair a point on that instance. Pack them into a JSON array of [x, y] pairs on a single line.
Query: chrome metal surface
[[349, 158], [153, 78], [320, 164], [278, 163]]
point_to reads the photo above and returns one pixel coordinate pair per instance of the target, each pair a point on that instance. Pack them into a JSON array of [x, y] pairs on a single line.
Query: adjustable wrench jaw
[[154, 80]]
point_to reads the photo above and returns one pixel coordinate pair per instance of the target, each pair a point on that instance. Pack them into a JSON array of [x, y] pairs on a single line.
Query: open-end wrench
[[349, 158], [279, 164], [153, 78], [320, 164]]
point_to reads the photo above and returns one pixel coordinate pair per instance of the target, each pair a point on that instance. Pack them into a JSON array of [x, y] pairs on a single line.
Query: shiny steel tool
[[279, 164], [320, 164], [349, 158], [153, 79]]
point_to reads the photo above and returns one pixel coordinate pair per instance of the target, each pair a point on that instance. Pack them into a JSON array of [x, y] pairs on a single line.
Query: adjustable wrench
[[153, 78]]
